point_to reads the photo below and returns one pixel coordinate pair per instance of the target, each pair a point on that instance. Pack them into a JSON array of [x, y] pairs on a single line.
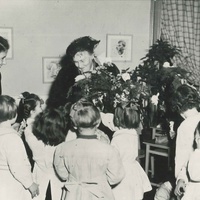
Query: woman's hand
[[34, 190], [180, 188], [79, 77]]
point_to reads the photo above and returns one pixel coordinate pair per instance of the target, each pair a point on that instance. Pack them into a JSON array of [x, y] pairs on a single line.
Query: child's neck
[[121, 128], [87, 131], [190, 112]]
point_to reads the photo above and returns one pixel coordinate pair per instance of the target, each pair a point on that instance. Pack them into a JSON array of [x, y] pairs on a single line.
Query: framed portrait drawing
[[119, 47], [50, 68], [7, 33]]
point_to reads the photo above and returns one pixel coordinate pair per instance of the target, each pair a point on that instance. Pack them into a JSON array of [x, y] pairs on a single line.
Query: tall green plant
[[160, 79]]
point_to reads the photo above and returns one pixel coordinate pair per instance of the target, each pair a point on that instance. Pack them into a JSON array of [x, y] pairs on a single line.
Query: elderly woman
[[79, 59]]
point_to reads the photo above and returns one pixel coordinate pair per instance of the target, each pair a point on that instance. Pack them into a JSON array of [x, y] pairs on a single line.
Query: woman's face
[[3, 55], [83, 60]]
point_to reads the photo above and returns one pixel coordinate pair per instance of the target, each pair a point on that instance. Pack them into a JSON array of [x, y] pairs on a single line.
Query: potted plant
[[158, 72]]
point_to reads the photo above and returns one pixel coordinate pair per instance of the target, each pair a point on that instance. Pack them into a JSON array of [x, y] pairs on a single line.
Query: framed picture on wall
[[119, 47], [50, 68], [7, 33]]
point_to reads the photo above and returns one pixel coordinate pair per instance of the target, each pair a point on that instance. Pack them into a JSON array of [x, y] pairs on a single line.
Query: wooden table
[[153, 148]]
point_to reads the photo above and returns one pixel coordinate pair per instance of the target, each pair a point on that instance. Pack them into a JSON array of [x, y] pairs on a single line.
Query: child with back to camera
[[136, 182], [72, 133], [186, 101], [29, 106], [15, 169], [43, 132], [192, 190], [88, 166]]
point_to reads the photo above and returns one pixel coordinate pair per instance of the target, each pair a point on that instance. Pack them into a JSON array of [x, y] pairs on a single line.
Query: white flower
[[21, 96], [126, 76], [138, 78], [166, 65], [183, 81], [171, 125], [79, 77], [154, 99], [172, 132]]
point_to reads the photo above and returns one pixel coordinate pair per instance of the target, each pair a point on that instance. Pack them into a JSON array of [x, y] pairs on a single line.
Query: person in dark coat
[[78, 60]]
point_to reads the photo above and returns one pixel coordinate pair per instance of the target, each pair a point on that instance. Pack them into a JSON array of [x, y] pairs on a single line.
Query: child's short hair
[[84, 114], [30, 103], [185, 97], [8, 108], [50, 126], [127, 117]]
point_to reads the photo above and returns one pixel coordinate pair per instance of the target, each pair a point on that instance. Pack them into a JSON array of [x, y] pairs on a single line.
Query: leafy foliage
[[155, 78], [161, 52]]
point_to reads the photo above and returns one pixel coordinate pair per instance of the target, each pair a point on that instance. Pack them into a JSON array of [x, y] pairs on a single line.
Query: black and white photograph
[[100, 100], [119, 47]]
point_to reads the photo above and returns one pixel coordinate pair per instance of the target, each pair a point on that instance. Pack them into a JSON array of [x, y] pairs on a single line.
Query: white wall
[[45, 28]]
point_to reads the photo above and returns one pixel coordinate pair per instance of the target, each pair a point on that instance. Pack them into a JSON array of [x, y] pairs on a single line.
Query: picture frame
[[119, 47], [50, 68], [7, 33]]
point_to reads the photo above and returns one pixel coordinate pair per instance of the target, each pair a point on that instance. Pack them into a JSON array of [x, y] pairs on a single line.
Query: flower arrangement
[[127, 90], [96, 85], [149, 86], [159, 72], [107, 89]]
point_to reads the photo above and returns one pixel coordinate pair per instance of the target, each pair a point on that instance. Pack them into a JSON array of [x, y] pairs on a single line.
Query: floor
[[162, 174]]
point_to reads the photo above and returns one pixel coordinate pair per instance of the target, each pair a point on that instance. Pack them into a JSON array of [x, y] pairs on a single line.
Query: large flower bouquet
[[128, 90], [150, 86], [107, 89], [96, 85]]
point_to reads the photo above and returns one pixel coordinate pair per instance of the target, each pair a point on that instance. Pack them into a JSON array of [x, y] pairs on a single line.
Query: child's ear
[[98, 123], [31, 112]]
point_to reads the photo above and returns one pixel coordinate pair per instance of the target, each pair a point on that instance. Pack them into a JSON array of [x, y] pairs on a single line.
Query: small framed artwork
[[50, 68], [7, 33], [119, 47]]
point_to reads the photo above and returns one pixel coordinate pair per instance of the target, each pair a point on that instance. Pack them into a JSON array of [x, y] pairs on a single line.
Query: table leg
[[147, 158]]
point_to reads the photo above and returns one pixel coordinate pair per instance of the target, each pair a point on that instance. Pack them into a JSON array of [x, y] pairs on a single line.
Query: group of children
[[73, 156], [69, 152]]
